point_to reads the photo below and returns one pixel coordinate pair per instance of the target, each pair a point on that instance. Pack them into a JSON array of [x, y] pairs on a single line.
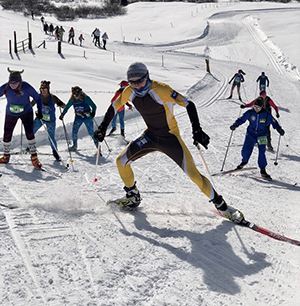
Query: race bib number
[[262, 140], [46, 117], [16, 109]]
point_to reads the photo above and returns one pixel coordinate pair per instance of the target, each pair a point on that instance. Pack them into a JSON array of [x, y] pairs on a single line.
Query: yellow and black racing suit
[[162, 133]]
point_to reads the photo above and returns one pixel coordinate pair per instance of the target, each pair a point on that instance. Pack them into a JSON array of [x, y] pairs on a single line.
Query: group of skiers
[[154, 101], [19, 106], [260, 119]]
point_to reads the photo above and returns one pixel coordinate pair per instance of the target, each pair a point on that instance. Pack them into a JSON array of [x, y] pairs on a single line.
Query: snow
[[64, 246]]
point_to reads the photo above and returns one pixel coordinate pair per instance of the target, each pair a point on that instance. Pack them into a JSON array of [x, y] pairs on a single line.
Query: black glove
[[277, 115], [200, 137], [242, 106], [92, 113], [99, 134], [233, 127], [39, 115], [280, 131], [61, 117]]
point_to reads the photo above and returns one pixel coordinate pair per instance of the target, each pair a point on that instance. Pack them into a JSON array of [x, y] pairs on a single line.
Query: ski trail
[[25, 257], [262, 45]]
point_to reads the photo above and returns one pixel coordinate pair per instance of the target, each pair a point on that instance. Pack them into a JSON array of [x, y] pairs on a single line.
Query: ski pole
[[210, 177], [67, 140], [227, 151], [21, 150], [276, 163], [52, 142], [108, 148], [97, 158]]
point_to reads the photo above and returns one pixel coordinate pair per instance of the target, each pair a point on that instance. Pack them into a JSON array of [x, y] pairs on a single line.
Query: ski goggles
[[257, 107], [139, 81]]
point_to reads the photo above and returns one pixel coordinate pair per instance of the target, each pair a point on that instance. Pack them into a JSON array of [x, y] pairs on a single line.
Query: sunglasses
[[14, 82], [43, 88], [139, 81]]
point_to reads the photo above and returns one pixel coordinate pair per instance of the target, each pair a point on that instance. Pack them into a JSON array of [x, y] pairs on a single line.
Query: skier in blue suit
[[259, 120]]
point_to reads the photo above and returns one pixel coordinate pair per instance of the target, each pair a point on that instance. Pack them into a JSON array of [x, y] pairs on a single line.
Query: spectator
[[71, 35], [104, 39]]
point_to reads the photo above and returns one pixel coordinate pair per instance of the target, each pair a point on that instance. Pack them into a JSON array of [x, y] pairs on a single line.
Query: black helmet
[[259, 102]]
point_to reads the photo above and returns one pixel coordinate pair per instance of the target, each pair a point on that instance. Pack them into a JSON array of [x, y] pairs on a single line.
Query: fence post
[[9, 46], [207, 65], [114, 59], [29, 41], [162, 61], [15, 42], [59, 47]]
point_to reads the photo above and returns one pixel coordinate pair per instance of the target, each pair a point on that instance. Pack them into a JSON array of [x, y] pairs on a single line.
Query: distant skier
[[18, 106], [121, 111], [259, 120], [104, 40], [81, 39], [49, 118], [85, 110], [267, 104], [263, 81], [237, 79], [155, 102]]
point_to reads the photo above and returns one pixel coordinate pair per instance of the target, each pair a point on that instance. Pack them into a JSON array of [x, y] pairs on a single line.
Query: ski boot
[[73, 148], [226, 211], [123, 133], [230, 97], [265, 175], [241, 166], [55, 154], [132, 198], [240, 99], [35, 161], [5, 159], [112, 131]]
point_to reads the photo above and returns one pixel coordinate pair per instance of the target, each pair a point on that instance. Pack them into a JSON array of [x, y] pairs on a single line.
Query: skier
[[237, 79], [49, 118], [96, 38], [121, 111], [268, 102], [85, 110], [263, 81], [259, 119], [155, 102], [18, 107]]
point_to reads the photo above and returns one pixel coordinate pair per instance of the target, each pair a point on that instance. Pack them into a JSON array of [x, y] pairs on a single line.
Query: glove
[[99, 134], [130, 107], [229, 82], [61, 117], [92, 113], [233, 127], [200, 137], [280, 131], [242, 106], [277, 115], [39, 115]]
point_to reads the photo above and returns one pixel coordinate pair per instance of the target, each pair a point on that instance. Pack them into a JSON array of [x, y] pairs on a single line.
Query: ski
[[234, 171], [263, 231], [116, 203], [275, 181], [10, 206], [51, 172]]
